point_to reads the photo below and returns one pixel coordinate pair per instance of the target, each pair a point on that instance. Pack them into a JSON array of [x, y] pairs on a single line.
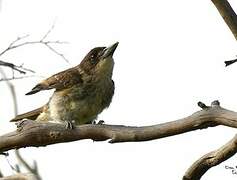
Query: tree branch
[[201, 166], [15, 78], [15, 44], [227, 14], [19, 69], [31, 133], [18, 43], [230, 18]]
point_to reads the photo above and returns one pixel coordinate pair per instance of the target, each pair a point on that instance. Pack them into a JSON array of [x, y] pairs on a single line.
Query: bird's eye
[[93, 59]]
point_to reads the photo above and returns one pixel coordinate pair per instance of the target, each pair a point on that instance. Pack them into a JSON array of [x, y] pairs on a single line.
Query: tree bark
[[227, 14], [31, 133]]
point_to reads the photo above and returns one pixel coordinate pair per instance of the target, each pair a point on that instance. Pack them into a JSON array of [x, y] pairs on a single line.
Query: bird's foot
[[69, 125], [100, 122], [21, 123]]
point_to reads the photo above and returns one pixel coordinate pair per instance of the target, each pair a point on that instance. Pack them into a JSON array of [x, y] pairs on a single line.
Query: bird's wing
[[62, 80], [29, 115]]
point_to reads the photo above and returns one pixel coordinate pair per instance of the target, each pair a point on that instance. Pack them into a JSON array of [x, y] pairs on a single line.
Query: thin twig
[[17, 43], [19, 69], [15, 78], [56, 52], [33, 170], [48, 32], [14, 44]]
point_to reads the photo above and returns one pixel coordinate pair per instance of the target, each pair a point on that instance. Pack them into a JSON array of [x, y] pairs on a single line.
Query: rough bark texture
[[31, 133]]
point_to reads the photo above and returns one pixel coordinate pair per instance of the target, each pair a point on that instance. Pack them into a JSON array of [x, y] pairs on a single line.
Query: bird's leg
[[69, 125]]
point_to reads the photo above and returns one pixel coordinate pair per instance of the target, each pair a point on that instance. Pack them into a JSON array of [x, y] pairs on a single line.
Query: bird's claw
[[100, 122], [20, 124]]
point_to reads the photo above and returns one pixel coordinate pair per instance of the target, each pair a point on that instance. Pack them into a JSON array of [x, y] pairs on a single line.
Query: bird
[[81, 92]]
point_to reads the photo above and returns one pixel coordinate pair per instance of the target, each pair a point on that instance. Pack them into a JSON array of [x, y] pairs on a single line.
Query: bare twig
[[56, 52], [33, 170], [15, 78], [48, 32], [10, 46], [15, 44], [19, 69]]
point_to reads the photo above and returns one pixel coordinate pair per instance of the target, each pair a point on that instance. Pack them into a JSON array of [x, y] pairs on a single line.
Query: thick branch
[[228, 15], [201, 166], [36, 134]]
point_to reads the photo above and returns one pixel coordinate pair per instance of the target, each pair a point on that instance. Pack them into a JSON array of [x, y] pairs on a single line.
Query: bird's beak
[[109, 51]]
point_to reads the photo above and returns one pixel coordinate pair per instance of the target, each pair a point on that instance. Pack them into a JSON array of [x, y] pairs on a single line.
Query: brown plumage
[[81, 92], [59, 81], [29, 115]]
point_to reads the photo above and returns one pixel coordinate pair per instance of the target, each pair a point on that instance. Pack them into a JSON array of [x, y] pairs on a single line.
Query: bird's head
[[99, 61]]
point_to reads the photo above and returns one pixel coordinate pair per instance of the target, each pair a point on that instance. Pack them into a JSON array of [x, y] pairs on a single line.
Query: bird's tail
[[29, 115], [227, 63]]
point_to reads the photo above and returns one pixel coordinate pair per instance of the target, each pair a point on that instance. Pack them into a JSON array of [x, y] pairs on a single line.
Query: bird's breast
[[81, 103]]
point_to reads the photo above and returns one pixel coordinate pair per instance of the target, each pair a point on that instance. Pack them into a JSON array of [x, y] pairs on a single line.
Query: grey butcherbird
[[81, 92]]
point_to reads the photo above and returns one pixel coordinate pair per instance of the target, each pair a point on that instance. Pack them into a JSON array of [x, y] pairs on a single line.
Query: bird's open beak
[[109, 51]]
